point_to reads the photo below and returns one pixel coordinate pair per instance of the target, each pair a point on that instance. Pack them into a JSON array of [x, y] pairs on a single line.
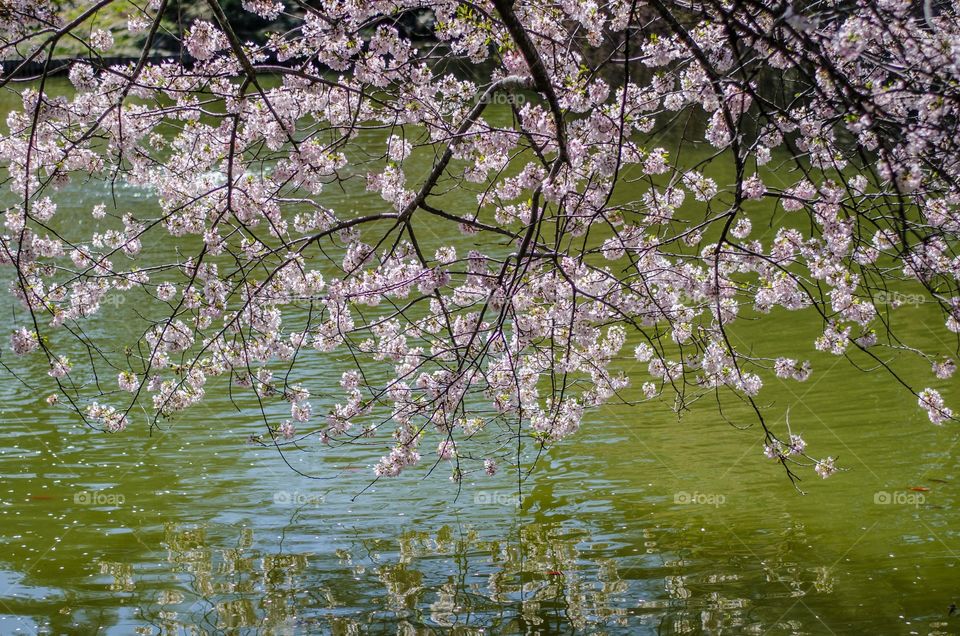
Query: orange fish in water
[[919, 489], [554, 573]]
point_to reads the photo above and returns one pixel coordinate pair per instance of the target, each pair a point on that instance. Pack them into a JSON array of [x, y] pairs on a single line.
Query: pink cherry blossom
[[507, 249]]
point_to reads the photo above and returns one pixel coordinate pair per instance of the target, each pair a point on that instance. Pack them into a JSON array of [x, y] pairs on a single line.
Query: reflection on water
[[534, 580], [226, 588], [537, 579]]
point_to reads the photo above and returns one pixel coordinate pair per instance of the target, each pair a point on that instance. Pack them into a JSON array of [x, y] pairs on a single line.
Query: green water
[[642, 523]]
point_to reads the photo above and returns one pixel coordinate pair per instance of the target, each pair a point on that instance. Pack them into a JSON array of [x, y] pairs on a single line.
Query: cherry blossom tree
[[559, 228]]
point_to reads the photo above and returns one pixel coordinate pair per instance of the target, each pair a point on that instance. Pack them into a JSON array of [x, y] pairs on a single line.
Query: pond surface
[[641, 523]]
